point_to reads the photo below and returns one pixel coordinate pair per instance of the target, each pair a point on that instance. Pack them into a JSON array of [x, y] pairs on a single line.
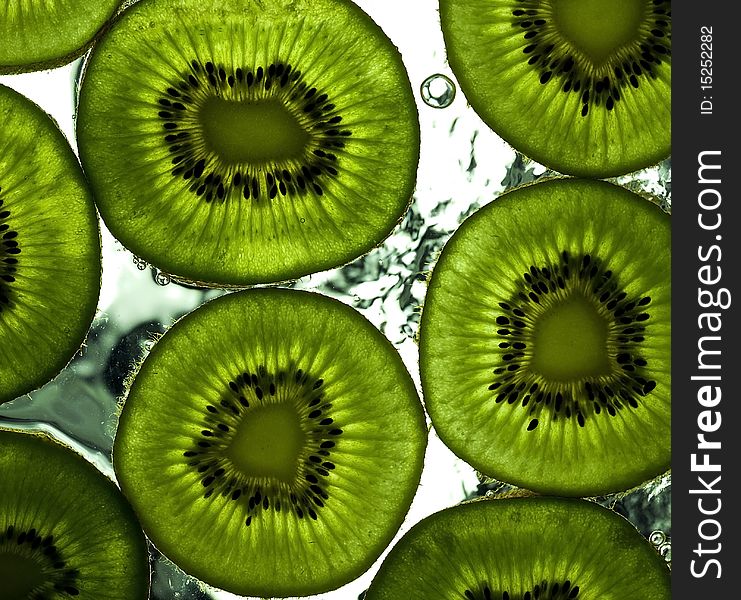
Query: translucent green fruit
[[237, 142], [271, 443], [65, 529], [582, 86], [545, 339], [38, 34], [523, 549], [49, 248]]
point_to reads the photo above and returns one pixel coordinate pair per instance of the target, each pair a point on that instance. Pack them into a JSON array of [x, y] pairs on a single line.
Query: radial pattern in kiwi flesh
[[236, 142], [582, 86], [523, 549], [545, 339], [66, 531], [271, 443], [49, 248], [37, 34]]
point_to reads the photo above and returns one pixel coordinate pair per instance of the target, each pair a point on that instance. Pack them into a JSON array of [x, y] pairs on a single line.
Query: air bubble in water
[[139, 263], [438, 91], [161, 278], [665, 550], [657, 538]]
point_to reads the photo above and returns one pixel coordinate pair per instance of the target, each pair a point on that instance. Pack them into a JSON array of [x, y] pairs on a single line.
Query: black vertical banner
[[706, 407]]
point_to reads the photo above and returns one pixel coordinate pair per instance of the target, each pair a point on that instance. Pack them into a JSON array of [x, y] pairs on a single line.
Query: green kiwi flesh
[[271, 443], [581, 86], [239, 142], [49, 248], [37, 34], [545, 339], [523, 549], [66, 531]]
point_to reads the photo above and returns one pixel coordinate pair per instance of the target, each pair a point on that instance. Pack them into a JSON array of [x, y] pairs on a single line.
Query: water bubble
[[665, 550], [438, 91], [302, 220], [161, 278], [662, 543], [139, 263], [657, 538]]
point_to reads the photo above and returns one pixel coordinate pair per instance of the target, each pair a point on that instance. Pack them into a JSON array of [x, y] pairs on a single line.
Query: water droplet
[[139, 263], [303, 220], [665, 550], [438, 91], [657, 538], [161, 278]]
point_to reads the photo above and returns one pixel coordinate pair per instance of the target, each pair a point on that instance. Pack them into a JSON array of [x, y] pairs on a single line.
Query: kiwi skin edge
[[249, 234], [530, 467], [555, 131], [30, 357], [493, 549], [53, 502], [53, 63], [363, 424]]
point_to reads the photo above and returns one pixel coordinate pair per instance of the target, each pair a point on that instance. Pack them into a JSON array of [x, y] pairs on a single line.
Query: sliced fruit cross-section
[[272, 443], [238, 142], [545, 339]]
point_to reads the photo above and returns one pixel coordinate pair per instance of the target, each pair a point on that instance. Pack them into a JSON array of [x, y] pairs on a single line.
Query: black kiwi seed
[[286, 436], [39, 549], [214, 180], [255, 138], [583, 87], [547, 317], [49, 248], [543, 591], [9, 255], [54, 506], [629, 368], [244, 394], [534, 548], [597, 88]]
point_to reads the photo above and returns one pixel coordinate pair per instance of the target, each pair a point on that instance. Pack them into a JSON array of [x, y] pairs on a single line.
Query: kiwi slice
[[545, 339], [523, 549], [49, 248], [38, 34], [271, 443], [238, 142], [66, 531], [581, 86]]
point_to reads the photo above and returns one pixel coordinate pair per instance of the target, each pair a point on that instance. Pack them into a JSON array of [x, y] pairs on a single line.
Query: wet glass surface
[[463, 166]]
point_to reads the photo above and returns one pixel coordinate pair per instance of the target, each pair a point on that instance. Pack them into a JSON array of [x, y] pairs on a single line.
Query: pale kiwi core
[[255, 132], [269, 443], [570, 341], [599, 27]]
